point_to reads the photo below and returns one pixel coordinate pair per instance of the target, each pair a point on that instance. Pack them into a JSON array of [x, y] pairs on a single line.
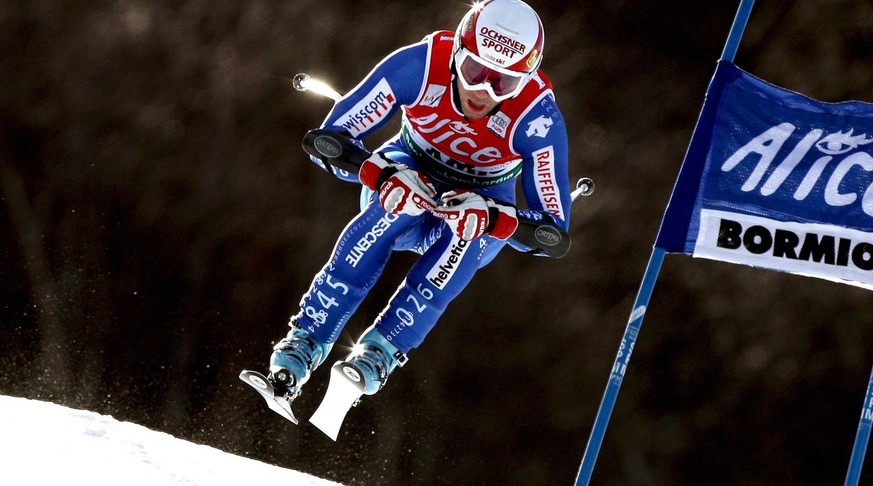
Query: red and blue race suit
[[523, 138]]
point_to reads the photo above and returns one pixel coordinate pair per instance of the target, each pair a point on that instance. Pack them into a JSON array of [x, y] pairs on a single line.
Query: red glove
[[471, 215], [401, 190]]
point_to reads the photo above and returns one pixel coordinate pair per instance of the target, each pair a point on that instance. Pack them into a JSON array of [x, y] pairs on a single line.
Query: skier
[[477, 115]]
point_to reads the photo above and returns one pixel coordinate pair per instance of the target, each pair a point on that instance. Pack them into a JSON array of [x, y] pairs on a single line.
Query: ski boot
[[363, 372], [291, 364], [295, 357], [372, 359]]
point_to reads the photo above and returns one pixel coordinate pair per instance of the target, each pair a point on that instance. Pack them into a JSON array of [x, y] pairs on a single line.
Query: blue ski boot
[[295, 357], [372, 359]]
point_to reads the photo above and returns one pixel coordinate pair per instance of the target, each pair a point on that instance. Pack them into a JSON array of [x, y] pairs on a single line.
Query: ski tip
[[278, 402], [343, 392], [353, 376], [256, 380]]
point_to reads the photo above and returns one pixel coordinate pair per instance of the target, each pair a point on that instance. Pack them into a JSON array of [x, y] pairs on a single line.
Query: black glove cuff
[[493, 214], [385, 174]]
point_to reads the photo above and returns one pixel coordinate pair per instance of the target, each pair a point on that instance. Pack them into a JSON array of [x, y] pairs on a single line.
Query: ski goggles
[[475, 74]]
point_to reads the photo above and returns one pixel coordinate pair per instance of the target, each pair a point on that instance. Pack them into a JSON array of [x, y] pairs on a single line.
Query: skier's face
[[475, 103]]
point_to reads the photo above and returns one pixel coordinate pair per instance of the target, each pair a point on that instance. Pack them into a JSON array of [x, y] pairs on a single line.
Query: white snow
[[46, 444]]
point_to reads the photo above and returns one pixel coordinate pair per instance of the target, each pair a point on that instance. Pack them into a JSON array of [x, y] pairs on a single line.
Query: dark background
[[159, 223]]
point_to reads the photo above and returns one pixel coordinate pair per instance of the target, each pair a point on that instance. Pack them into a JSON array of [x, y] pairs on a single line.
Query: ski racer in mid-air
[[478, 116]]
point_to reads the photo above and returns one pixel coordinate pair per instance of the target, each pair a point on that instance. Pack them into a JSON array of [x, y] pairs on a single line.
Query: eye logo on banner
[[839, 143]]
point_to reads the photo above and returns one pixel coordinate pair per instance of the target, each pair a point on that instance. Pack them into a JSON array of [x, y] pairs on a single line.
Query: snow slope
[[46, 444]]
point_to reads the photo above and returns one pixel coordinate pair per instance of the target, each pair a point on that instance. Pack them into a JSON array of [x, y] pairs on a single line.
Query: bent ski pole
[[335, 149], [542, 236]]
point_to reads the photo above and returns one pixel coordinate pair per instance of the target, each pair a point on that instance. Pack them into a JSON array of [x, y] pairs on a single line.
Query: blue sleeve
[[397, 80], [541, 139]]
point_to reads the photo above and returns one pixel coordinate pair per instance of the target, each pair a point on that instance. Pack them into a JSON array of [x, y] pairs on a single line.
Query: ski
[[277, 399], [344, 390]]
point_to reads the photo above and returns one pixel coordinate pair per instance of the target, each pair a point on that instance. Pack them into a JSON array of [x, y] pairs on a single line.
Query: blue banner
[[776, 180]]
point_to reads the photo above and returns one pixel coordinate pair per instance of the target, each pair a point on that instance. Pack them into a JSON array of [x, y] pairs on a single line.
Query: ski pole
[[335, 149], [304, 82]]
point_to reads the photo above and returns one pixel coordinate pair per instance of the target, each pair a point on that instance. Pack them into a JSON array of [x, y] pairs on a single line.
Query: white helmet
[[498, 46]]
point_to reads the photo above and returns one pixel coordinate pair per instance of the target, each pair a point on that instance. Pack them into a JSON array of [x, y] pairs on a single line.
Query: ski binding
[[343, 392], [277, 399]]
